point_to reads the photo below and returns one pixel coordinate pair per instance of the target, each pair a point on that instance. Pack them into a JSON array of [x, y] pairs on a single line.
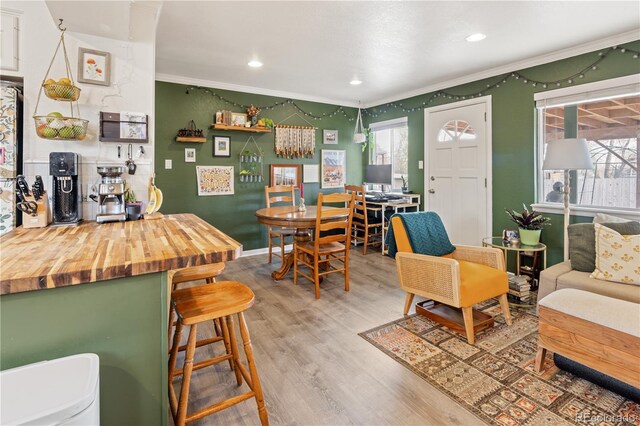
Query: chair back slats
[[360, 205], [280, 194], [340, 223]]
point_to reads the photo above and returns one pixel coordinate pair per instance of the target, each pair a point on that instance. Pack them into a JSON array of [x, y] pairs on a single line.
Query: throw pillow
[[607, 218], [617, 256], [582, 242]]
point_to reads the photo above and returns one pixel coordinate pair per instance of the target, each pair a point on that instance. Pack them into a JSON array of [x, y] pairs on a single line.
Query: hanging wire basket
[[61, 92], [56, 126]]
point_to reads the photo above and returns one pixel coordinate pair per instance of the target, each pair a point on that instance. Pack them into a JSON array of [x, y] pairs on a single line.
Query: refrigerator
[[10, 153]]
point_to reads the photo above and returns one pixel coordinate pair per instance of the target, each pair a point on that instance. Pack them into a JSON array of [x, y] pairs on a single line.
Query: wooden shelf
[[190, 139], [241, 129]]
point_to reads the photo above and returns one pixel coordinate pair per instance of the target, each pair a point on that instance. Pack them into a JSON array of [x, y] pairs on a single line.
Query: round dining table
[[290, 217]]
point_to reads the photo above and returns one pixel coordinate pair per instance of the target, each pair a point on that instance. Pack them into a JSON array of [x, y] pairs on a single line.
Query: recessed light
[[476, 37], [355, 82], [255, 64]]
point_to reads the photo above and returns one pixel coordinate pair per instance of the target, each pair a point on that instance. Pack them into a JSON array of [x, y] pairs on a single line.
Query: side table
[[518, 249]]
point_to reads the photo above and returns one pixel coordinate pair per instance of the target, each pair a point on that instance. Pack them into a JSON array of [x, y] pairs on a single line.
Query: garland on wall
[[383, 109], [283, 103]]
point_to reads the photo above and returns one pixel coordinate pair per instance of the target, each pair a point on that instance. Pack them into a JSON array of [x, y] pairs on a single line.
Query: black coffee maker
[[64, 168]]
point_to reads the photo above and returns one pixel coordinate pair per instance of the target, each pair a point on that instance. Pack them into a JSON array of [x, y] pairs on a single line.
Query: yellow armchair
[[461, 279]]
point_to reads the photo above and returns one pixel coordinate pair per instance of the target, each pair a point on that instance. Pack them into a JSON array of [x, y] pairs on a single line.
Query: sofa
[[574, 273]]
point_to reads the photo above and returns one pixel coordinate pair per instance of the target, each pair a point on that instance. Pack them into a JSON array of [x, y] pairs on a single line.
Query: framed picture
[[189, 155], [334, 168], [311, 173], [215, 180], [239, 119], [221, 146], [508, 235], [285, 174], [330, 137], [94, 67]]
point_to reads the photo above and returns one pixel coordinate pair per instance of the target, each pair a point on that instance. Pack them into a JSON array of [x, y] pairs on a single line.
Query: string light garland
[[383, 109], [283, 103], [502, 80]]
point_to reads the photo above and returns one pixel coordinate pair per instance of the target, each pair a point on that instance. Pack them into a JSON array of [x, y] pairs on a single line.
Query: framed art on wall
[[334, 168], [310, 173], [285, 174], [189, 155], [221, 146], [330, 137], [94, 67], [215, 180]]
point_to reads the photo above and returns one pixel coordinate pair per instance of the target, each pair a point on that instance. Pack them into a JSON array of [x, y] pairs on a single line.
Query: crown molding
[[178, 79], [581, 49]]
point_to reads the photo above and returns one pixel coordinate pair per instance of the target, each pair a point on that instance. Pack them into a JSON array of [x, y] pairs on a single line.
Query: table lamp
[[566, 155]]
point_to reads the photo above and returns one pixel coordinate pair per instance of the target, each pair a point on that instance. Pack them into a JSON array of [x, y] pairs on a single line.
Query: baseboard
[[265, 250]]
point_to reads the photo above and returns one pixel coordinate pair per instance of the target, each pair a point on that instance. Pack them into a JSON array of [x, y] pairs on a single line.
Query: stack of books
[[519, 288]]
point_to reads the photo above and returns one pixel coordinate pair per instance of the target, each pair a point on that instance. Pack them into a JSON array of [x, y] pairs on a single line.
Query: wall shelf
[[241, 129], [190, 139]]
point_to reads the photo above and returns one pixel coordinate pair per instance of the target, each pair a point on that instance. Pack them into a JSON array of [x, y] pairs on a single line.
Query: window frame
[[388, 125], [589, 92]]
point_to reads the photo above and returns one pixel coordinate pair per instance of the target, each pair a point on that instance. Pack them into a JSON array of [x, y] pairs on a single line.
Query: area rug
[[495, 378]]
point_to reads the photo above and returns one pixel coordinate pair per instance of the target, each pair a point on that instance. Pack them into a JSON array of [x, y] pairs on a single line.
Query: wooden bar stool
[[194, 306], [209, 273]]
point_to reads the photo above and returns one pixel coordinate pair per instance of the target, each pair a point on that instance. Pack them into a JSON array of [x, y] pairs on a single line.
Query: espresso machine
[[111, 207], [64, 168]]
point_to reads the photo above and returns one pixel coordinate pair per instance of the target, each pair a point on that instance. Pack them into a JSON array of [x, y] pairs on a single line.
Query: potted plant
[[530, 224], [405, 186], [133, 207]]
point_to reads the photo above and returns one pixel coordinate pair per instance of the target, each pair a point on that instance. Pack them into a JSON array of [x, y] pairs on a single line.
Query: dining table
[[303, 221]]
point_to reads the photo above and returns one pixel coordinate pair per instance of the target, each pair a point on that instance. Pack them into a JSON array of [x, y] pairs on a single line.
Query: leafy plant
[[404, 181], [129, 195], [371, 140], [530, 220]]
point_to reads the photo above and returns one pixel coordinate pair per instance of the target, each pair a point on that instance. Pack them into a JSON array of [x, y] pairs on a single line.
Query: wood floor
[[314, 368]]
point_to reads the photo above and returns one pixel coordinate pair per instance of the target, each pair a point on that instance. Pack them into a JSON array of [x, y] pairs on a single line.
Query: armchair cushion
[[480, 282], [425, 232]]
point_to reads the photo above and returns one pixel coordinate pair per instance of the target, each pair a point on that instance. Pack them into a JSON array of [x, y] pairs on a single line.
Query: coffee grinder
[[64, 168], [111, 206]]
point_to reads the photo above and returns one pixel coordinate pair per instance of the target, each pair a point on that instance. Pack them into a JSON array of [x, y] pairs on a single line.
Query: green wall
[[124, 321], [235, 215], [514, 132], [513, 124]]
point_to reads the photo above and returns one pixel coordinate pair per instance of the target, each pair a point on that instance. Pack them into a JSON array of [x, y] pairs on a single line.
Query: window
[[456, 130], [391, 146], [609, 119]]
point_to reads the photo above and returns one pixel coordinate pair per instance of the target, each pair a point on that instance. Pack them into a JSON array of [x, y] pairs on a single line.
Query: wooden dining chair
[[279, 195], [366, 225], [331, 242]]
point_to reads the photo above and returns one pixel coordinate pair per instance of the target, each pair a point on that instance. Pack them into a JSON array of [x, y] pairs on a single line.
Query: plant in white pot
[[530, 224]]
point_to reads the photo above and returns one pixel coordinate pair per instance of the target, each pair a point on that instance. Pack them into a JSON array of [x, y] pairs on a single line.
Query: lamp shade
[[567, 154]]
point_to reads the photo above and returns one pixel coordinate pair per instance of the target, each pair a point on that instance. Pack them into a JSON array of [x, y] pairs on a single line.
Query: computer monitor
[[379, 175]]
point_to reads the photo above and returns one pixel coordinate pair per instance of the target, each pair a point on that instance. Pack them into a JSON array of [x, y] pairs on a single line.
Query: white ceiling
[[312, 50]]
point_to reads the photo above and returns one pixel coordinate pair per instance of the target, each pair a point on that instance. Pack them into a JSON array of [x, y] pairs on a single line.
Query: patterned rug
[[495, 378]]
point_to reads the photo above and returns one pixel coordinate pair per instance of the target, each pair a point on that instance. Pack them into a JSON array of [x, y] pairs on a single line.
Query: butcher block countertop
[[37, 259]]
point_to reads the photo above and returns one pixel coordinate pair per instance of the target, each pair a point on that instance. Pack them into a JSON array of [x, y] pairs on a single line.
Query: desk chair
[[318, 255], [466, 276], [365, 227], [280, 195]]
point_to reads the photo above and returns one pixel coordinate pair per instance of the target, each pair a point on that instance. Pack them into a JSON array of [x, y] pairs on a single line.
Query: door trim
[[486, 100]]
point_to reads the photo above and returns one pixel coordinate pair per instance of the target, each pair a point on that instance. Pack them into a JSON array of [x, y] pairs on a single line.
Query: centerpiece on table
[[530, 224]]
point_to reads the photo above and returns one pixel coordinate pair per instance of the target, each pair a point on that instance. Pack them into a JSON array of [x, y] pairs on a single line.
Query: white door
[[457, 179]]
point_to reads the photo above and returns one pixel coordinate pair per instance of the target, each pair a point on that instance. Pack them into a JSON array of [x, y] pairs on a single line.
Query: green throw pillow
[[582, 242]]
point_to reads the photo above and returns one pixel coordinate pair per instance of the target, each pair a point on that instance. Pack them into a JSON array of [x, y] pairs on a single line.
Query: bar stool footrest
[[220, 406], [203, 364]]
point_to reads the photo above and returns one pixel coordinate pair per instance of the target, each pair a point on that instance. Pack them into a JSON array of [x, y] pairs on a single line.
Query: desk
[[290, 217], [409, 201]]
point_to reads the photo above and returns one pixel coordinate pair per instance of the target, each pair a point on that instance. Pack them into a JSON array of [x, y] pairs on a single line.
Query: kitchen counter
[[122, 315], [36, 259]]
